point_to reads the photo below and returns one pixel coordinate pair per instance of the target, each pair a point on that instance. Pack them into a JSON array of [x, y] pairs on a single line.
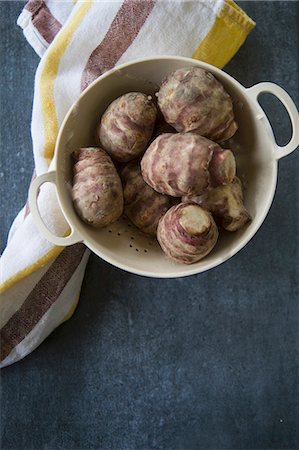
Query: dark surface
[[205, 362]]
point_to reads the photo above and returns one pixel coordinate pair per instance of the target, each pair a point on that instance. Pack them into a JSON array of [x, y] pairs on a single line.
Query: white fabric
[[51, 319], [171, 28]]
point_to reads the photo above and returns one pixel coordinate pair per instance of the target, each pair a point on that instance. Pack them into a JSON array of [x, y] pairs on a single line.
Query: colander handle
[[73, 237], [283, 96]]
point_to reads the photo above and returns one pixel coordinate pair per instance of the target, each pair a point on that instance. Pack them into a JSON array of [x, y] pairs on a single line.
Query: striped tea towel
[[77, 42]]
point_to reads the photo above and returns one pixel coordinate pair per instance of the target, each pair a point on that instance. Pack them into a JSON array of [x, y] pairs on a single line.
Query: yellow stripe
[[53, 253], [228, 33], [72, 308], [50, 122], [48, 76]]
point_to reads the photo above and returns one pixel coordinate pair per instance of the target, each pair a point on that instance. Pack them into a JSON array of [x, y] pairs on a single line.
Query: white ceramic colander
[[122, 244]]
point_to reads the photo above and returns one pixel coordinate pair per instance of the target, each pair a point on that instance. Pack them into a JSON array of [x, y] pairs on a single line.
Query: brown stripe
[[40, 299], [43, 20], [34, 5], [122, 32]]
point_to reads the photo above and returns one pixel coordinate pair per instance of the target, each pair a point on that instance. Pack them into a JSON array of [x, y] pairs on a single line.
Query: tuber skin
[[192, 99], [97, 191], [226, 205], [187, 233], [143, 206], [127, 125], [222, 167], [186, 164]]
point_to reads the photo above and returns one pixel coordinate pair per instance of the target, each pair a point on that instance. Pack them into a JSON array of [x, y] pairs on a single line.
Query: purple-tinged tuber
[[127, 125], [143, 206], [186, 164], [226, 205], [97, 190], [222, 167], [187, 233], [192, 99]]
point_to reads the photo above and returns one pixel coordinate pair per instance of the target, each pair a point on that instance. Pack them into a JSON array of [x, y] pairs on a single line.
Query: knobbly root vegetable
[[192, 99], [97, 190], [127, 125], [187, 233], [179, 164], [222, 167], [143, 206], [226, 205]]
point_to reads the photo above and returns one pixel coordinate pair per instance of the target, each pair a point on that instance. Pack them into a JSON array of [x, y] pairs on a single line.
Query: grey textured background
[[205, 362]]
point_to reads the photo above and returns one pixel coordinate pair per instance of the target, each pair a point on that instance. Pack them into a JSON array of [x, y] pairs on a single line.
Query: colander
[[122, 244]]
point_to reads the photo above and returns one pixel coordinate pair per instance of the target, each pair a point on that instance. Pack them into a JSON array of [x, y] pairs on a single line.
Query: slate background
[[205, 362]]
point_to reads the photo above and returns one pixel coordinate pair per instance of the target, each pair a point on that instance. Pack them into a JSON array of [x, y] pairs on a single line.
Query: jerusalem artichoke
[[97, 190], [127, 125], [186, 164], [226, 205], [143, 206], [192, 99], [187, 233]]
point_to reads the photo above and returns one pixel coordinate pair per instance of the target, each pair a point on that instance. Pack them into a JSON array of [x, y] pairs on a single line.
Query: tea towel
[[77, 42]]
